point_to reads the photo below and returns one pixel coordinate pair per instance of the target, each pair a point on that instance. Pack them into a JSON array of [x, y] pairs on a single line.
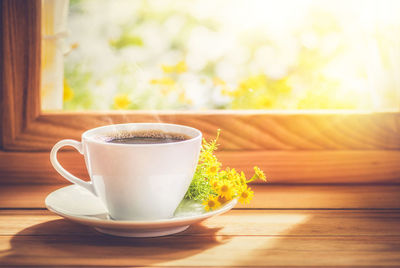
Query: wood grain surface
[[354, 226], [262, 222], [237, 238], [266, 196], [241, 130], [19, 67], [291, 167], [186, 251]]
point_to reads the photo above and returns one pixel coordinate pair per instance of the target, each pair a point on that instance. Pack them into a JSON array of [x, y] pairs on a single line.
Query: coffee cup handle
[[53, 158]]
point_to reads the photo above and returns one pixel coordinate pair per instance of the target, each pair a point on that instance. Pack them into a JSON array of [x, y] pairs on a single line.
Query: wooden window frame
[[293, 146]]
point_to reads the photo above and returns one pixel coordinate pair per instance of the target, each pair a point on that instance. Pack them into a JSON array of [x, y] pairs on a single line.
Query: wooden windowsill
[[308, 225], [314, 225]]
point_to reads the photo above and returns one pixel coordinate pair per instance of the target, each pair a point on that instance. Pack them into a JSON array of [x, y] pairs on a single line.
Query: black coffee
[[147, 137]]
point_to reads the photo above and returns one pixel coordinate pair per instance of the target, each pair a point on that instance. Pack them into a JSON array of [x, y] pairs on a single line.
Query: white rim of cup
[[92, 139]]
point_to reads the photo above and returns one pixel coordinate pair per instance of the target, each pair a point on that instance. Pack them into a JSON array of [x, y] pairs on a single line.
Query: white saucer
[[77, 204]]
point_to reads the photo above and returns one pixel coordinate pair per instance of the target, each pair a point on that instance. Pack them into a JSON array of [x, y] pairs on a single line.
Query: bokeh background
[[225, 54]]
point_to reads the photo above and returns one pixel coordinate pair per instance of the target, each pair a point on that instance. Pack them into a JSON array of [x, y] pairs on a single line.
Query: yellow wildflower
[[74, 45], [254, 82], [259, 174], [207, 157], [121, 101], [165, 81], [223, 86], [222, 200], [282, 85], [226, 190], [167, 68], [212, 203], [222, 174], [165, 90], [264, 101], [246, 195], [214, 184], [219, 82], [243, 179], [183, 99], [68, 92], [232, 175], [227, 92], [180, 67], [213, 169]]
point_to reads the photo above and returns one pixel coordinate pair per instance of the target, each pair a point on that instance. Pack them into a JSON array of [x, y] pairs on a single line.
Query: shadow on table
[[61, 242]]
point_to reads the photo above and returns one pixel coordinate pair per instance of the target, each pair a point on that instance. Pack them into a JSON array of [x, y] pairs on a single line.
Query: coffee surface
[[146, 137], [144, 140]]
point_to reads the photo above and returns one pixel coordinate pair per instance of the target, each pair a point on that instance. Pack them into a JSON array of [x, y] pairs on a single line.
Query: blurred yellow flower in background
[[68, 92], [74, 45], [253, 83], [121, 101], [179, 68], [166, 84], [183, 98], [165, 81], [219, 82]]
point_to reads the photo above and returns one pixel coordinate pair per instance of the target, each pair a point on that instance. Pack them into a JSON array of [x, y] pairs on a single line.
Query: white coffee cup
[[136, 181]]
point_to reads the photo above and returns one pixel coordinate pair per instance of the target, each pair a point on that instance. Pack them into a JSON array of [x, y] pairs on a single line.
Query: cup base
[[143, 233]]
